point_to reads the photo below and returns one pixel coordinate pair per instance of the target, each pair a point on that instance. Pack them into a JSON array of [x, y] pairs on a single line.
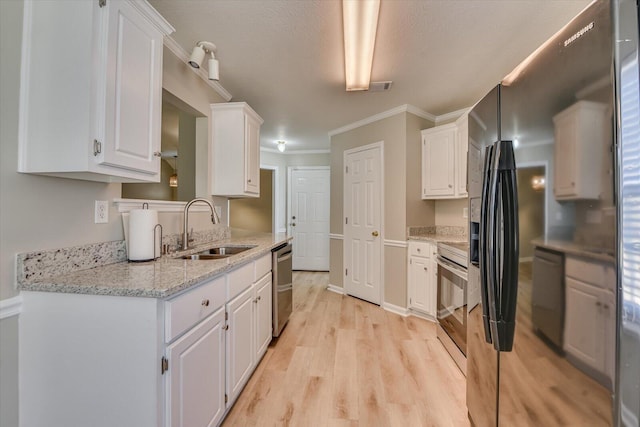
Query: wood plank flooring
[[344, 362]]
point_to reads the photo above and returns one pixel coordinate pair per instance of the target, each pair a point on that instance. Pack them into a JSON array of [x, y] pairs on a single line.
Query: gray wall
[[402, 189], [38, 212]]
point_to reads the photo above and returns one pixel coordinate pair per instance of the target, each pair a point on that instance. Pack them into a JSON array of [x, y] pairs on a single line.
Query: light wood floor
[[344, 362]]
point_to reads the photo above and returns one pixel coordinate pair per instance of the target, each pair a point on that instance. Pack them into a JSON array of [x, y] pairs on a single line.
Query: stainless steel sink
[[226, 250], [205, 256], [218, 253]]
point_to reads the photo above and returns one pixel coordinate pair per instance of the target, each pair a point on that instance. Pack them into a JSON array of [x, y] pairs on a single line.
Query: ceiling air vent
[[380, 86]]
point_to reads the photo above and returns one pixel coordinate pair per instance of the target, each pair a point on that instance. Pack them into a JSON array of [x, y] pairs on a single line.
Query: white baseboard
[[421, 315], [336, 289], [402, 311], [395, 243], [10, 307], [336, 236]]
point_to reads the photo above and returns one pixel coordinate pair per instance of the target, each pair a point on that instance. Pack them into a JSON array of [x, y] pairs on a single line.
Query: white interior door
[[309, 218], [362, 228]]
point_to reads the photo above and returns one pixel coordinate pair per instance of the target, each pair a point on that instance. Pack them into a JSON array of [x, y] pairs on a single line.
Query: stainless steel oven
[[452, 300], [282, 287]]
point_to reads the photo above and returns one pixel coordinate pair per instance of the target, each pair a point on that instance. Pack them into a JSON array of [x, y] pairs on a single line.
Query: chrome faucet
[[185, 231]]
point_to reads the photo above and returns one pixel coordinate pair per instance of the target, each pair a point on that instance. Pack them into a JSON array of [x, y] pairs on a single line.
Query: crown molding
[[183, 55], [292, 152], [406, 108], [453, 115]]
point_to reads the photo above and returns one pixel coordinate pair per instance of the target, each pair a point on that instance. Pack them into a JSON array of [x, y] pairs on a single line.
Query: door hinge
[[346, 271], [226, 398], [410, 261], [97, 147], [226, 315], [346, 220], [164, 365], [102, 3], [410, 301], [346, 169]]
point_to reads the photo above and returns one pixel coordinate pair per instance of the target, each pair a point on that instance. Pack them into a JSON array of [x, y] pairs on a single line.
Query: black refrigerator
[[554, 200]]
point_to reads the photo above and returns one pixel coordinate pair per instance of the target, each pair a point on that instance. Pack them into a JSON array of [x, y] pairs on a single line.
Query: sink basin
[[218, 253], [226, 250], [205, 256]]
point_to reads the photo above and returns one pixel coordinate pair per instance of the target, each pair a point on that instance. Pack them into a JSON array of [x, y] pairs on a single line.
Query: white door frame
[[290, 169], [276, 195], [380, 145]]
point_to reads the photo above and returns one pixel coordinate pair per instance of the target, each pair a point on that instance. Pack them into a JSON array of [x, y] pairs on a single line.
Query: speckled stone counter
[[437, 234], [573, 248], [155, 279]]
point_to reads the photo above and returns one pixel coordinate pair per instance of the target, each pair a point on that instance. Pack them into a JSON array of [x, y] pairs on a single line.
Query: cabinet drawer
[[184, 311], [597, 274], [262, 267], [422, 249], [239, 279]]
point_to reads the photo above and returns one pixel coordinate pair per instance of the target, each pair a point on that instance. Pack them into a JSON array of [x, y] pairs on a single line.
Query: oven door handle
[[452, 267]]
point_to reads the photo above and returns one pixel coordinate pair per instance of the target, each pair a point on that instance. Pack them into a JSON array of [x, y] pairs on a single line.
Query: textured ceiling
[[285, 57]]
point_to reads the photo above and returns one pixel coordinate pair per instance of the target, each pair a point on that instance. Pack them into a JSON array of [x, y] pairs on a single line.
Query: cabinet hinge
[[346, 169], [226, 398], [226, 315], [410, 261], [102, 3], [97, 147], [346, 220], [164, 365], [346, 271], [410, 301]]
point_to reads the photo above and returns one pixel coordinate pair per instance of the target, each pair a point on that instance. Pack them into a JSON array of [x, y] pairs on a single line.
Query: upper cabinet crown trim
[[234, 106], [389, 113], [153, 16]]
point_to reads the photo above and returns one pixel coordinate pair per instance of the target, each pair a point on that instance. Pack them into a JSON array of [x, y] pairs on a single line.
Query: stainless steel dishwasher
[[282, 287], [547, 296]]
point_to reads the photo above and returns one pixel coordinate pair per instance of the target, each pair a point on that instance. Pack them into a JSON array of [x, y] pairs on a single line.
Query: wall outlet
[[101, 214]]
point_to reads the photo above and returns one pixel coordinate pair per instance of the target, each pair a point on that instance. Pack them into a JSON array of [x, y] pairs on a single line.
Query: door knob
[[374, 234], [293, 217], [293, 224]]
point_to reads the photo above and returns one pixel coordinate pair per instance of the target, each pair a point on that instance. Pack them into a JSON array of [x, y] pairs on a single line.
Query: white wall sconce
[[360, 21], [281, 146], [197, 55]]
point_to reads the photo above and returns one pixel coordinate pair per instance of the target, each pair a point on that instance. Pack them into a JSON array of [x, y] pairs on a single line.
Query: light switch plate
[[101, 215]]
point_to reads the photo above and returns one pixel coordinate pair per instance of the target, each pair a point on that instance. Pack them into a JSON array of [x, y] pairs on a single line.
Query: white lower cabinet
[[264, 328], [110, 361], [422, 278], [239, 343], [196, 392]]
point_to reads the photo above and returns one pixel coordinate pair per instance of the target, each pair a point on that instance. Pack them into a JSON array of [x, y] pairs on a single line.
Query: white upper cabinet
[[91, 90], [582, 136], [444, 161], [235, 150]]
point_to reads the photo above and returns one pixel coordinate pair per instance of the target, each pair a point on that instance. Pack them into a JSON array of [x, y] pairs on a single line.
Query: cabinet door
[[462, 146], [438, 163], [252, 155], [263, 326], [240, 349], [419, 279], [195, 380], [133, 91], [584, 334], [566, 129]]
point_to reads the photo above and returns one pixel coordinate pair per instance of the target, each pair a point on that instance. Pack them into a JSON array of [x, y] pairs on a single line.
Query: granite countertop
[[437, 234], [162, 278], [573, 248]]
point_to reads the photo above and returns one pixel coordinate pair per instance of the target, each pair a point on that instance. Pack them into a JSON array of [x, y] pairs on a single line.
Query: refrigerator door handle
[[493, 218], [483, 243], [509, 257]]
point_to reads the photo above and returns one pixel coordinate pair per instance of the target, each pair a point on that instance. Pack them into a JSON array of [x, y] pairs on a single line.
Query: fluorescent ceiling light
[[360, 20]]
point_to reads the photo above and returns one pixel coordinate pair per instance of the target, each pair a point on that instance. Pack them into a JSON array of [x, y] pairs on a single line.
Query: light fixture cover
[[360, 21], [214, 73], [197, 55], [281, 146]]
